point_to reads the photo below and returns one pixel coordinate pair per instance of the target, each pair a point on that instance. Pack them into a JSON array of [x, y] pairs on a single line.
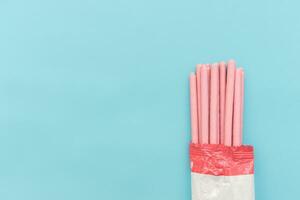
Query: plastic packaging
[[222, 172]]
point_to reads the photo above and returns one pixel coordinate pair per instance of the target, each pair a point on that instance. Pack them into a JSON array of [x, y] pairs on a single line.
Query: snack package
[[222, 168]]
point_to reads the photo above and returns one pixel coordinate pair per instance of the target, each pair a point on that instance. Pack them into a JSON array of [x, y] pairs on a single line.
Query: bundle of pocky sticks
[[222, 167]]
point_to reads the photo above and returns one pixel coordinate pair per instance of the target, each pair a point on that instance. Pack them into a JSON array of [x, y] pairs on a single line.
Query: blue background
[[94, 94]]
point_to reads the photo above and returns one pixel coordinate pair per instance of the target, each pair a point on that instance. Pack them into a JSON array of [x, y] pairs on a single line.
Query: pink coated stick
[[229, 103], [208, 73], [214, 104], [208, 86], [222, 100], [237, 109], [198, 68], [242, 106], [193, 104], [204, 105]]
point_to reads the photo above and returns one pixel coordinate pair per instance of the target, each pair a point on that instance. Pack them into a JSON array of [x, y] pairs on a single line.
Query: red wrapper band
[[220, 160]]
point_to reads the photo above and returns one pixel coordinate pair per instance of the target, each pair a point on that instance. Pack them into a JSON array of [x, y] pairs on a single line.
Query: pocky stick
[[222, 70], [242, 105], [204, 137], [229, 102], [214, 104], [193, 106], [198, 69], [237, 108]]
